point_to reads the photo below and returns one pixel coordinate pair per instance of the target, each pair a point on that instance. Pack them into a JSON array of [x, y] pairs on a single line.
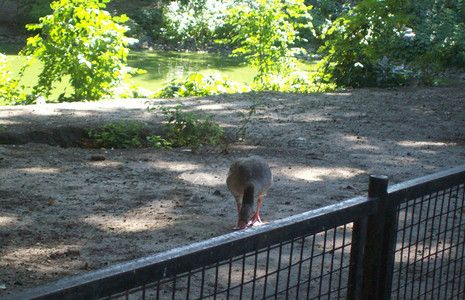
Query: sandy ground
[[62, 213]]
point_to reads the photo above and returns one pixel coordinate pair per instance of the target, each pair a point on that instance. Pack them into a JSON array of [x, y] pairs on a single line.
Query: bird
[[249, 178]]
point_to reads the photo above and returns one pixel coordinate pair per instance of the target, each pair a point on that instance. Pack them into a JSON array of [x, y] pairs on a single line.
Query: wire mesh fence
[[430, 247], [306, 267], [407, 242]]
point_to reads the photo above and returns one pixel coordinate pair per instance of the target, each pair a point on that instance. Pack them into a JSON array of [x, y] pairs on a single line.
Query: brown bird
[[249, 178]]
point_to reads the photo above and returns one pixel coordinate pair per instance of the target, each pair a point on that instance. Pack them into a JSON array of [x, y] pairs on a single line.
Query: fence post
[[378, 253], [357, 253]]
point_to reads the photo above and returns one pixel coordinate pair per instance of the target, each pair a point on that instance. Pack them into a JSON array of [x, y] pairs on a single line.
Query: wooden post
[[357, 254], [388, 249], [374, 271]]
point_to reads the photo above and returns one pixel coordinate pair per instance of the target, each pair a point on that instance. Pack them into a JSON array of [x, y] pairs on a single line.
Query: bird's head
[[245, 214]]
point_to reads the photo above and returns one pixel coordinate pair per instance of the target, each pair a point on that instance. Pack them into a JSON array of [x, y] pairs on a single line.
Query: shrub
[[188, 129], [81, 40], [124, 135], [200, 85]]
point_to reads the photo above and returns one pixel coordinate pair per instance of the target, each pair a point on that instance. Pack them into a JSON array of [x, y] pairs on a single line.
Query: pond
[[166, 65], [160, 66]]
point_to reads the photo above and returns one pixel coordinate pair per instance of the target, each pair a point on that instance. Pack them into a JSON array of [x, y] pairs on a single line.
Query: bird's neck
[[247, 204]]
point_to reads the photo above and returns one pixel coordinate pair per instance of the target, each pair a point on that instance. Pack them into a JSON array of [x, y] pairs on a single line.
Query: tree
[[81, 40], [357, 43], [266, 31], [439, 27]]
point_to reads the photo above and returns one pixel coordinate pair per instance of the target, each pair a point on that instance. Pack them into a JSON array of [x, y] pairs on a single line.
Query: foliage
[[81, 40], [200, 85], [199, 21], [29, 11], [296, 82], [358, 41], [36, 8], [147, 20], [324, 13], [439, 34], [10, 90], [266, 31], [366, 42], [124, 135], [188, 129]]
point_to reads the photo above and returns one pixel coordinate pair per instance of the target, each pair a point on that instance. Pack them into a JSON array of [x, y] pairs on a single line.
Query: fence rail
[[403, 242]]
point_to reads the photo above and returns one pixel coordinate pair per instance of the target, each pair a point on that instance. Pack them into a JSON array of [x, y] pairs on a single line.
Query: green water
[[160, 66], [166, 65]]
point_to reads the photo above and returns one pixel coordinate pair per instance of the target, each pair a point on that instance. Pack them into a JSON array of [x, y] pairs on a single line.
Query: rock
[[97, 158]]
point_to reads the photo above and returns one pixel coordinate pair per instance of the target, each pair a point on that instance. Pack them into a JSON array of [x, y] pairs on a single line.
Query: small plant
[[124, 135], [156, 141], [188, 129], [200, 85], [246, 119]]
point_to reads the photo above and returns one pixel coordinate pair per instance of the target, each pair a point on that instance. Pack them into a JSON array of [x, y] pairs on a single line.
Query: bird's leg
[[255, 220], [239, 206]]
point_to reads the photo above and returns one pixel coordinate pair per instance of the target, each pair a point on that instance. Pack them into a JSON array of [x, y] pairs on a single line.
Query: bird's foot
[[255, 221]]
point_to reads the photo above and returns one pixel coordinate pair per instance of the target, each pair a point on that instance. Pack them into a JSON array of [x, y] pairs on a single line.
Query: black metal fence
[[429, 254], [406, 242]]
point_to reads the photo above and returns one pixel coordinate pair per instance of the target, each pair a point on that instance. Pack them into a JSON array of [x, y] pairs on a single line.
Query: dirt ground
[[62, 212]]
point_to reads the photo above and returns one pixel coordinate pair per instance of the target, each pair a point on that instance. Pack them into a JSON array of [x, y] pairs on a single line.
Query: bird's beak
[[241, 225]]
